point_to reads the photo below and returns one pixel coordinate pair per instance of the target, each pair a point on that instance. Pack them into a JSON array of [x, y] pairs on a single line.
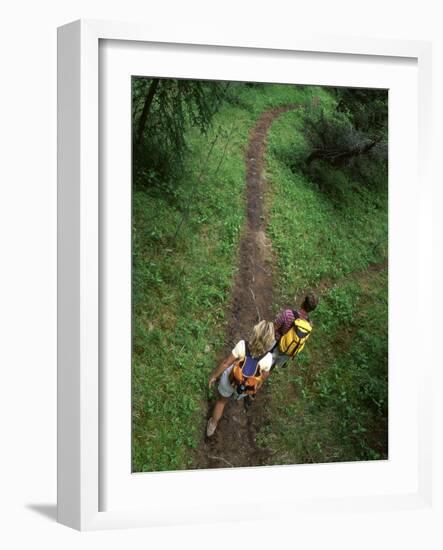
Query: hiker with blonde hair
[[243, 372]]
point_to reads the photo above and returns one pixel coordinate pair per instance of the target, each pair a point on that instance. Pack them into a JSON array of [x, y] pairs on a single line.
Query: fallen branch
[[256, 307], [212, 457]]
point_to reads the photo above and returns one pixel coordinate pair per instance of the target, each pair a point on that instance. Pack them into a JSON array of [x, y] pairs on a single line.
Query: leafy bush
[[350, 135], [163, 110]]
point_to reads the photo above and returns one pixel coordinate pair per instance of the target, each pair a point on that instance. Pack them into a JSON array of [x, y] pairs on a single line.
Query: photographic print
[[259, 274]]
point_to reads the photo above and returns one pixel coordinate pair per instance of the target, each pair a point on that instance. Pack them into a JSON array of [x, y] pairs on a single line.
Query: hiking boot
[[211, 427]]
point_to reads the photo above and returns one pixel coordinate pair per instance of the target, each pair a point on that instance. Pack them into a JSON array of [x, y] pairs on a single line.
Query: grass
[[184, 258], [183, 263], [316, 235], [333, 406]]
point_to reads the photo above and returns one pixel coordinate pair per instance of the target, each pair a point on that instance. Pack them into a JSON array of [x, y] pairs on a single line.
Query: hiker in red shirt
[[292, 329]]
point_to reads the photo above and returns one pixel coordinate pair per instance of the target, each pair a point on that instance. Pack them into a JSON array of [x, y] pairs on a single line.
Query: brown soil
[[233, 444]]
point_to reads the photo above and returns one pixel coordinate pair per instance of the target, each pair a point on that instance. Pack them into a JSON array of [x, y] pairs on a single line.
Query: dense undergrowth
[[325, 225]]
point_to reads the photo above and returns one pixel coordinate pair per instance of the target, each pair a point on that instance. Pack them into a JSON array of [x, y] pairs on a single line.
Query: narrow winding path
[[234, 444]]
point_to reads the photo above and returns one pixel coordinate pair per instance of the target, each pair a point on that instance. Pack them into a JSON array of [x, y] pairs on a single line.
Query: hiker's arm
[[265, 374], [265, 366], [276, 331], [221, 369]]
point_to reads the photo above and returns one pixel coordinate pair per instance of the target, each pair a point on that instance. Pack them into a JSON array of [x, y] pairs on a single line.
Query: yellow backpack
[[294, 340]]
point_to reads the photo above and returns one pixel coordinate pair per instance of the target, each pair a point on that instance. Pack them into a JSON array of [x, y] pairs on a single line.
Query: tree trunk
[[337, 157], [345, 155], [146, 107]]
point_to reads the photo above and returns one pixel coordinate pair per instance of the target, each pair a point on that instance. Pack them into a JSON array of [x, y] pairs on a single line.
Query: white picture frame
[[80, 445]]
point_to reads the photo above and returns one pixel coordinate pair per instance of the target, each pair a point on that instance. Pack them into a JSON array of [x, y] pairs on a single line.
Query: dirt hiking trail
[[233, 444]]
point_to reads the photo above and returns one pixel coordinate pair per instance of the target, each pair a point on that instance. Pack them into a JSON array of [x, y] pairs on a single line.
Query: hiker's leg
[[219, 407], [279, 358], [225, 391]]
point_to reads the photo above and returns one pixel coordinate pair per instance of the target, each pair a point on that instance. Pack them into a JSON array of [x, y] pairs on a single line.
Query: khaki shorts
[[225, 388]]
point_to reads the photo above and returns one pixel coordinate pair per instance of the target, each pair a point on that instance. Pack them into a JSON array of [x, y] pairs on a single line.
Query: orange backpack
[[246, 376]]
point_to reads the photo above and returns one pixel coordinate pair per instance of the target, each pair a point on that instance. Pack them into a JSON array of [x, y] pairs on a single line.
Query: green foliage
[[333, 405], [159, 147], [327, 229], [316, 236], [181, 285], [346, 136], [367, 109], [188, 211], [182, 280]]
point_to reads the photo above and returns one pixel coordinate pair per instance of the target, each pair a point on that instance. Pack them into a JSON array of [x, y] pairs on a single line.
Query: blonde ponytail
[[262, 338]]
